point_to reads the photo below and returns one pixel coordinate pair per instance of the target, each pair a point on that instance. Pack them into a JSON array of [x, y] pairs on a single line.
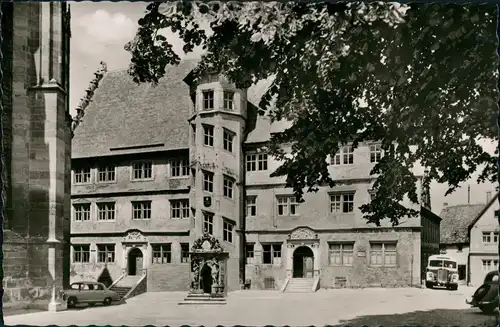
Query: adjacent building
[[156, 167], [36, 153], [483, 232]]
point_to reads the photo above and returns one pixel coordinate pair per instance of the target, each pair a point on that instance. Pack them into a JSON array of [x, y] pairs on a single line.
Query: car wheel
[[429, 285], [107, 301], [72, 301], [487, 308]]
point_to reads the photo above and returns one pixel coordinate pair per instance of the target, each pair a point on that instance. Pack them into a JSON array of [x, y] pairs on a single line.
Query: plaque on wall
[[361, 254], [207, 201]]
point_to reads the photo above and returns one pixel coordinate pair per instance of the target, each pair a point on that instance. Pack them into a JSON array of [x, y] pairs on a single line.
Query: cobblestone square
[[356, 307]]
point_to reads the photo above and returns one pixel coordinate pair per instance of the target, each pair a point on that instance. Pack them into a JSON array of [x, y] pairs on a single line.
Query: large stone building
[[156, 167], [36, 153]]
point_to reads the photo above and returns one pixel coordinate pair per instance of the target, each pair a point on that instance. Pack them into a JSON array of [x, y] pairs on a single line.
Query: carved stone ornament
[[206, 243], [134, 236], [303, 233]]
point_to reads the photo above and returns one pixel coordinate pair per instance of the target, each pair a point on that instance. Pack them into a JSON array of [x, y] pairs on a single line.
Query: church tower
[[216, 158], [37, 151]]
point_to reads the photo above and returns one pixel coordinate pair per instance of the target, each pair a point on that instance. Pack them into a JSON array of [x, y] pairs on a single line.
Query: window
[[141, 210], [489, 265], [228, 100], [490, 237], [208, 182], [208, 223], [344, 156], [375, 153], [106, 173], [179, 168], [228, 187], [341, 254], [142, 170], [287, 206], [81, 253], [249, 253], [227, 231], [208, 135], [343, 202], [194, 133], [383, 254], [106, 253], [208, 100], [184, 252], [251, 206], [271, 254], [82, 211], [180, 208], [228, 140], [162, 253], [106, 211], [256, 162], [82, 175]]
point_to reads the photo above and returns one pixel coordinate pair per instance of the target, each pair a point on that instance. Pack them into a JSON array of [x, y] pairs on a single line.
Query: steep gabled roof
[[485, 208], [455, 222]]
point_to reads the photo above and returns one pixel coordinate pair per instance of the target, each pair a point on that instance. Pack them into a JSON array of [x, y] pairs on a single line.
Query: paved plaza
[[373, 307]]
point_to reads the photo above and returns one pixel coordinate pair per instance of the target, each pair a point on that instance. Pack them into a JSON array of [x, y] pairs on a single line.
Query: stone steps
[[202, 299], [300, 285], [121, 291]]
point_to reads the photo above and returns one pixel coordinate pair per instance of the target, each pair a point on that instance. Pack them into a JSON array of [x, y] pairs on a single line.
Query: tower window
[[208, 133], [228, 100], [228, 138], [208, 100], [208, 182]]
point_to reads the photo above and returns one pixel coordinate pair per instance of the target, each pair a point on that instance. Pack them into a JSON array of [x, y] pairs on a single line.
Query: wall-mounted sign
[[361, 254], [207, 201], [206, 165]]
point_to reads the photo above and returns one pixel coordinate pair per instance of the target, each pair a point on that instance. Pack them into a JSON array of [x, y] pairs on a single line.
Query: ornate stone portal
[[208, 267]]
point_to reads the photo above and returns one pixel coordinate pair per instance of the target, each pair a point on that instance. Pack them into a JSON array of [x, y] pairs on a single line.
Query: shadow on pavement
[[436, 317]]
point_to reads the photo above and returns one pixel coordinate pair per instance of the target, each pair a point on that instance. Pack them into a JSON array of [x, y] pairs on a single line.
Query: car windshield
[[443, 263], [450, 264], [435, 263]]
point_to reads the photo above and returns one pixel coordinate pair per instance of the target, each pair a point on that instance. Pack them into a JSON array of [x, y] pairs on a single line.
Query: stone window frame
[[79, 205], [383, 252], [107, 212], [490, 237], [228, 187], [275, 254], [208, 181], [376, 152], [228, 227], [490, 264], [81, 250], [106, 249], [179, 168], [79, 175], [106, 171], [134, 166], [341, 201], [208, 103], [228, 137], [208, 222], [343, 157], [342, 252], [251, 206], [208, 135], [165, 253], [228, 98], [142, 209], [256, 161], [179, 208], [184, 250], [250, 254], [289, 203]]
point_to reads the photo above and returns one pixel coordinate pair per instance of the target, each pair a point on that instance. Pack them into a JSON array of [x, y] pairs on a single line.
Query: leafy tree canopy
[[426, 74]]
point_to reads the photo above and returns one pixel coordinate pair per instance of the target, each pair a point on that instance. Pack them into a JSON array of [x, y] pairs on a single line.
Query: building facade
[[36, 150], [155, 168], [483, 234]]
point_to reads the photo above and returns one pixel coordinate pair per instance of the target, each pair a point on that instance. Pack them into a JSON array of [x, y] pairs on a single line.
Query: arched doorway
[[135, 261], [206, 279], [303, 262]]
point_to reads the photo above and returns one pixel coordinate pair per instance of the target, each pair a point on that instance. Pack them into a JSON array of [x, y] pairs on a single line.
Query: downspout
[[243, 212]]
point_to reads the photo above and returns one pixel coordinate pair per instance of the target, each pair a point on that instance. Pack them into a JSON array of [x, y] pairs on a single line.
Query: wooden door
[[138, 265], [308, 267]]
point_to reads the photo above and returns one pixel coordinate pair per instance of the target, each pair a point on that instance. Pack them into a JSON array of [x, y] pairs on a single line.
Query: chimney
[[445, 204], [488, 197]]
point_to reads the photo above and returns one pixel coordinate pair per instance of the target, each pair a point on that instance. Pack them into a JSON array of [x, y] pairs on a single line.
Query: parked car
[[441, 271], [90, 293], [486, 296]]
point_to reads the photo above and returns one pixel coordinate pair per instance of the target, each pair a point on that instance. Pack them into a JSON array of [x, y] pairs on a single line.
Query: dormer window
[[208, 100], [228, 100]]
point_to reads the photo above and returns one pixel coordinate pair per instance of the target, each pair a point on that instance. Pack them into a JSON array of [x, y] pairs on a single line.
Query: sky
[[100, 31]]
